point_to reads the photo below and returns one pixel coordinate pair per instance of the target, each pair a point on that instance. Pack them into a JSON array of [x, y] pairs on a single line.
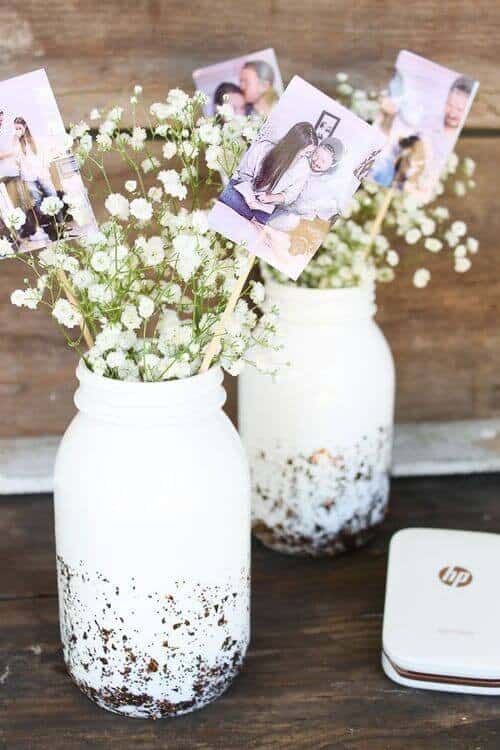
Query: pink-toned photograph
[[42, 196], [251, 84], [296, 178], [421, 116]]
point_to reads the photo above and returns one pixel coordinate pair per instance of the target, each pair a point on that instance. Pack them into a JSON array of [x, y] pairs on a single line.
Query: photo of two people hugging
[[281, 185], [296, 178]]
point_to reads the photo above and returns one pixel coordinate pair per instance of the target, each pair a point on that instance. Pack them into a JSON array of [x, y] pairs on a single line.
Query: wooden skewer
[[68, 291], [220, 328], [381, 214]]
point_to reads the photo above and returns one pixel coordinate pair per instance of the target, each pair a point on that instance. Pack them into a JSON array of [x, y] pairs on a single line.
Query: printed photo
[[326, 125], [296, 178], [421, 117], [251, 83], [36, 164]]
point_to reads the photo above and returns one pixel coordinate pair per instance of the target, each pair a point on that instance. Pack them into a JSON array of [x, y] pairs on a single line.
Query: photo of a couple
[[421, 118], [250, 84], [288, 189], [35, 164]]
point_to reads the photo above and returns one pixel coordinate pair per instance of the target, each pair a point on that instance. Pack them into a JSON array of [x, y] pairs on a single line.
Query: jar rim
[[212, 376], [366, 290], [305, 304]]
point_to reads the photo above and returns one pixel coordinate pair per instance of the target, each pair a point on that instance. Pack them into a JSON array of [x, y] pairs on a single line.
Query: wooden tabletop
[[312, 678]]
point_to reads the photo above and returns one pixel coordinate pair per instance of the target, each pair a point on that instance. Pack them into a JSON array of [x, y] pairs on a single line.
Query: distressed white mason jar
[[319, 434], [152, 517]]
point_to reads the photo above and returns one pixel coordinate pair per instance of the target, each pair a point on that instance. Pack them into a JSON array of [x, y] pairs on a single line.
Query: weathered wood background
[[445, 338]]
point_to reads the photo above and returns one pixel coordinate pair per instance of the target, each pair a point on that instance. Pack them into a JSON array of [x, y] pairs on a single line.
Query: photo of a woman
[[36, 165], [271, 175], [33, 163], [231, 93]]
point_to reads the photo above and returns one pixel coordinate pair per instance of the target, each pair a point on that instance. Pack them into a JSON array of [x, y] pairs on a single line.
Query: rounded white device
[[442, 611]]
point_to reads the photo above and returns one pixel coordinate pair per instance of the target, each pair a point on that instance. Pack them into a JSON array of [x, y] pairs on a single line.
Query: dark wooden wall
[[445, 338]]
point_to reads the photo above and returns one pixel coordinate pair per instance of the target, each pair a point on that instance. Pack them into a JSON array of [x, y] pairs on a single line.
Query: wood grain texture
[[445, 338], [312, 679], [96, 51]]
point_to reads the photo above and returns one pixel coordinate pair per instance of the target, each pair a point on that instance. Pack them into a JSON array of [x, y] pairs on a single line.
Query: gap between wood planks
[[420, 449]]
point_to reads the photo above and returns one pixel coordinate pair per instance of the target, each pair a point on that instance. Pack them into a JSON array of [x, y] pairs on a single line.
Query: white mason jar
[[319, 434], [152, 518]]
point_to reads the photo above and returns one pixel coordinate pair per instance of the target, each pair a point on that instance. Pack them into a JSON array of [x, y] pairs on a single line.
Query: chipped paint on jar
[[152, 511], [319, 434]]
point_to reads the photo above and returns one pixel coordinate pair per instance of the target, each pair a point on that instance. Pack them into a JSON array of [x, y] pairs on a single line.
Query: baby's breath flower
[[15, 219], [155, 194], [469, 166], [51, 205], [187, 258], [451, 238], [459, 228], [6, 247], [392, 258], [421, 278], [345, 89], [117, 205], [462, 265], [138, 138], [141, 209], [104, 142], [472, 244], [172, 184], [26, 298], [130, 318], [115, 114], [385, 274], [66, 314], [257, 292], [146, 306], [149, 164], [169, 150], [433, 244], [160, 110], [412, 236], [209, 133]]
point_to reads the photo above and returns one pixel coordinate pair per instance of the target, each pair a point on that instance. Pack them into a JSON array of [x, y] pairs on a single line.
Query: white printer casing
[[441, 626]]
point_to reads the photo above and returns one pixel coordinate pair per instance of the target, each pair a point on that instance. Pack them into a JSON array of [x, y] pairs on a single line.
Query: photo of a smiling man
[[421, 116], [296, 178]]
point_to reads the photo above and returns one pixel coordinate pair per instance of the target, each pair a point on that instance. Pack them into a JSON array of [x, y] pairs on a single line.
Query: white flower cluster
[[346, 257], [151, 284]]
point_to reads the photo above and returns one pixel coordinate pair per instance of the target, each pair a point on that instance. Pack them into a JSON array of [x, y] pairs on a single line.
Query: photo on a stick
[[42, 195], [251, 84], [296, 178], [421, 116]]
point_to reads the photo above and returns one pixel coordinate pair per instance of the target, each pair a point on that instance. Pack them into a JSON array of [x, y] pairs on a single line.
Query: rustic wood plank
[[445, 338], [312, 678], [94, 52], [420, 449]]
